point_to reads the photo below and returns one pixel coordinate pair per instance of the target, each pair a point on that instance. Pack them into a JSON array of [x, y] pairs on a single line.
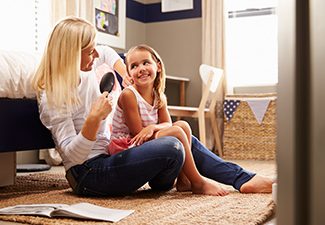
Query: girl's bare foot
[[209, 187], [183, 184], [258, 184]]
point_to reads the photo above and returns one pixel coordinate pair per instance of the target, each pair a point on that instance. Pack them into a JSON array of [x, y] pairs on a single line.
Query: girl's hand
[[101, 107], [144, 135]]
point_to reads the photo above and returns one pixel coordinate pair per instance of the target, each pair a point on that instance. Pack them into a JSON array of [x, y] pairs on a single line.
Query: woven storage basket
[[244, 137]]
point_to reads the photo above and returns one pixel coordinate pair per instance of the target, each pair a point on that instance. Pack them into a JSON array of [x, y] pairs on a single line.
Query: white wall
[[135, 33]]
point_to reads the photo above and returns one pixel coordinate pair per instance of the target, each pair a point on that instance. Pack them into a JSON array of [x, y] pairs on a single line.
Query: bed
[[20, 126]]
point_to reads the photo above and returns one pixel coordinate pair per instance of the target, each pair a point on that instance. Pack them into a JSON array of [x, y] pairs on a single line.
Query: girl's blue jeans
[[158, 162]]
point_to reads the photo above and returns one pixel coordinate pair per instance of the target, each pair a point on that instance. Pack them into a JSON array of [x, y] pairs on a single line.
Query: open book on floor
[[81, 211]]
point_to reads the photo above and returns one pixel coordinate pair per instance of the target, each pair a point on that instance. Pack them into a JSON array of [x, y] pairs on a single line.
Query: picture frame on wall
[[176, 5], [108, 17]]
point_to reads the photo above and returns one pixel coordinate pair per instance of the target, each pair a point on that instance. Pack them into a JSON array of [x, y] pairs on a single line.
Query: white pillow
[[16, 72]]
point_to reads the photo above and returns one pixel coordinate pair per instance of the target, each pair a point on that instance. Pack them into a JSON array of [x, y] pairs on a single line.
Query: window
[[25, 24], [251, 43]]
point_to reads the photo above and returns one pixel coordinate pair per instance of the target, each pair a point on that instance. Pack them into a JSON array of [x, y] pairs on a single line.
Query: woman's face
[[88, 56], [142, 67]]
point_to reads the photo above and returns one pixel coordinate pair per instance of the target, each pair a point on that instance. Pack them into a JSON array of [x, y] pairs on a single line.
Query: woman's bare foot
[[258, 184], [209, 187]]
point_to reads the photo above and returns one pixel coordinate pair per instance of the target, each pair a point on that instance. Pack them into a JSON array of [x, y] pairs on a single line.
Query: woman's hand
[[99, 111], [144, 135], [101, 107]]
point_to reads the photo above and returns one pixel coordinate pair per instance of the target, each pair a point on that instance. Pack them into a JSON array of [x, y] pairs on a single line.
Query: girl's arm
[[164, 119], [148, 133], [128, 103], [163, 115]]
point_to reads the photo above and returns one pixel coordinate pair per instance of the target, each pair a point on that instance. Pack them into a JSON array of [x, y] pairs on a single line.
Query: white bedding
[[16, 72]]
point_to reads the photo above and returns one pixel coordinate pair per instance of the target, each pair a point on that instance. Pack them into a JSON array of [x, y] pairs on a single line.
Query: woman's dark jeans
[[158, 162]]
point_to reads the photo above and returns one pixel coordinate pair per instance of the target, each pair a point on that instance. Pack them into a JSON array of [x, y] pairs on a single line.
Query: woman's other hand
[[127, 80], [120, 67]]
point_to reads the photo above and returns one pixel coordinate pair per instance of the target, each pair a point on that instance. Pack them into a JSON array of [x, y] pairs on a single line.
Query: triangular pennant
[[259, 108], [229, 107]]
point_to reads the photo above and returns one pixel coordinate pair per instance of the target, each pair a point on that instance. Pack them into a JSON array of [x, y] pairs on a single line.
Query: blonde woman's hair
[[160, 80], [59, 71]]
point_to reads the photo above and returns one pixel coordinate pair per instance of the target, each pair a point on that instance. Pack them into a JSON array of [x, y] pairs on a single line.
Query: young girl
[[141, 115]]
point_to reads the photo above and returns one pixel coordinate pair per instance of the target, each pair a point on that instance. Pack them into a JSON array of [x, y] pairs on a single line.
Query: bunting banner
[[229, 107], [259, 108]]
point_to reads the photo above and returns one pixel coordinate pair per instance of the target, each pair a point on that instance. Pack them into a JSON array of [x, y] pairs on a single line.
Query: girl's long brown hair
[[160, 80]]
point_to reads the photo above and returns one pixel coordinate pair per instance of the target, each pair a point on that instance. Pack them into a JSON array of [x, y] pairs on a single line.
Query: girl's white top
[[148, 114]]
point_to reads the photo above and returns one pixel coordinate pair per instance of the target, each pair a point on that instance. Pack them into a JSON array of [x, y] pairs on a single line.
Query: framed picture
[[108, 17], [176, 5]]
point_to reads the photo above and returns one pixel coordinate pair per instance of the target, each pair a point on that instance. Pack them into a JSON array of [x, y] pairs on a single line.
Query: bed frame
[[20, 129]]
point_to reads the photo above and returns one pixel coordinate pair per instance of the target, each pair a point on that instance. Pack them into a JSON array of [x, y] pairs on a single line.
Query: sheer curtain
[[213, 53], [24, 25], [63, 8]]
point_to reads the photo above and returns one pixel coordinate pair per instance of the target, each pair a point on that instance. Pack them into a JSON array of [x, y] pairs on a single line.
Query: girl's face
[[88, 56], [142, 67]]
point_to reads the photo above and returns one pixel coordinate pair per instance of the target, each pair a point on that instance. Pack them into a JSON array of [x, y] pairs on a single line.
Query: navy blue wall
[[148, 13]]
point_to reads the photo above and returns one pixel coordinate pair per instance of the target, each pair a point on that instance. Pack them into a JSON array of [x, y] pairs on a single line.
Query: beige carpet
[[150, 207]]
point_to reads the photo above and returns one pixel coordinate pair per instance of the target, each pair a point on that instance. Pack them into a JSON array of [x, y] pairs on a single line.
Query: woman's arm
[[73, 135], [110, 57], [65, 134], [120, 67], [99, 111]]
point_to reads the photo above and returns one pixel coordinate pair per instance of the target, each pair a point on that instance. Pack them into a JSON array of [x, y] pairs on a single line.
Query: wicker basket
[[244, 137]]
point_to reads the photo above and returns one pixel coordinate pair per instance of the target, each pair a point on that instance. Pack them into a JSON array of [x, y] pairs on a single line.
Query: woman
[[75, 112]]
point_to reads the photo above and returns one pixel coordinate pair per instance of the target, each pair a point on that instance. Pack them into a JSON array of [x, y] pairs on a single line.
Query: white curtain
[[63, 8], [213, 45]]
